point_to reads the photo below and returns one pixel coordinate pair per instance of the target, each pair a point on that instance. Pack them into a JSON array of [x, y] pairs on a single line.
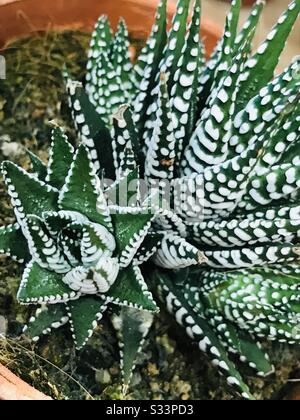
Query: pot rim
[[22, 18]]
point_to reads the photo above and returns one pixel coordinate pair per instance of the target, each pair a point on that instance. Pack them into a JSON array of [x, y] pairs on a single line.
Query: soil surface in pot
[[169, 367]]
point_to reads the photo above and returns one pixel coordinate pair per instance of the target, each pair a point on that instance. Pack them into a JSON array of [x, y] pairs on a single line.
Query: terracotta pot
[[12, 388], [20, 18]]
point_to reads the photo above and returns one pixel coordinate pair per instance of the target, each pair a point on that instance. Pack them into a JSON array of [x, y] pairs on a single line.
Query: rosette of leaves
[[82, 242], [219, 141], [79, 254]]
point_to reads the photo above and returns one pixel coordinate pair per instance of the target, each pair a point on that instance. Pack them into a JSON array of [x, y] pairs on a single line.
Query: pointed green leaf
[[274, 185], [168, 65], [60, 159], [120, 56], [38, 167], [13, 243], [130, 290], [289, 136], [175, 252], [231, 336], [200, 331], [147, 66], [261, 66], [284, 145], [69, 239], [161, 143], [81, 192], [245, 231], [259, 255], [131, 228], [128, 163], [262, 110], [28, 194], [104, 85], [209, 144], [240, 343], [255, 355], [96, 243], [101, 41], [46, 319], [91, 128], [228, 44], [249, 26], [43, 248], [107, 92], [168, 220], [42, 286], [184, 95], [206, 78], [132, 327], [150, 245], [124, 132], [84, 314], [176, 41], [151, 53], [55, 222], [220, 187], [259, 301], [221, 58]]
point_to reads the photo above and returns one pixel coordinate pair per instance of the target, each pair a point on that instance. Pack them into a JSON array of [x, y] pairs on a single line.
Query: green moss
[[169, 367]]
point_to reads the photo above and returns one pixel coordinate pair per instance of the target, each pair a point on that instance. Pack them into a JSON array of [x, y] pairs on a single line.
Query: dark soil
[[169, 367]]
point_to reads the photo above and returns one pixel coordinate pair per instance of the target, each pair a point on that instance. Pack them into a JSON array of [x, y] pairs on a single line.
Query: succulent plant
[[188, 165]]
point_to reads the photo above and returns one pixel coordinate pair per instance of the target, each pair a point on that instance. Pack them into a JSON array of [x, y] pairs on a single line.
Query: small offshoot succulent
[[203, 159]]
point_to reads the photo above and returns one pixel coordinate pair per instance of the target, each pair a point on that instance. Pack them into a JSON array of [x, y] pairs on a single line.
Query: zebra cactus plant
[[204, 162], [80, 252]]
